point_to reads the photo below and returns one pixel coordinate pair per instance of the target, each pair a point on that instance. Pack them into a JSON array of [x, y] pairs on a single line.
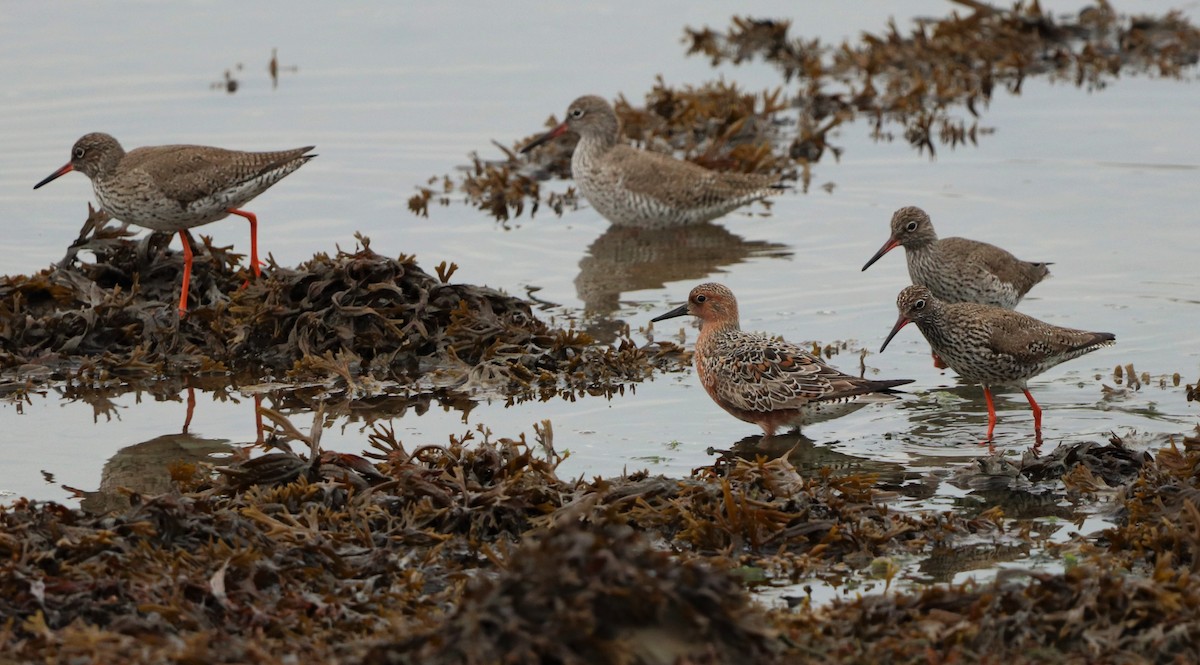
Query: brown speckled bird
[[957, 269], [769, 382], [992, 346], [632, 187], [177, 187]]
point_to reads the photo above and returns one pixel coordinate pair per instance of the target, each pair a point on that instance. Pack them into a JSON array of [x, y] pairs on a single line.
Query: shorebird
[[957, 269], [632, 187], [992, 346], [763, 380], [174, 188]]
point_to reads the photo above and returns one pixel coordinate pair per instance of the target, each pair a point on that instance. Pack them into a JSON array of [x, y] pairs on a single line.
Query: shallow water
[[1101, 183]]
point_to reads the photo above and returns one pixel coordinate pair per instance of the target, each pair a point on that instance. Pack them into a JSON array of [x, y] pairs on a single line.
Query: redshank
[[177, 187], [632, 187], [991, 345], [957, 269], [764, 380]]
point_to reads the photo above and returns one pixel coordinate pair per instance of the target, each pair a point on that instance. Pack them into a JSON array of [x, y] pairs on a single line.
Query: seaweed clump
[[1128, 594], [1087, 614], [456, 553], [914, 82], [1159, 525], [611, 598], [477, 551], [357, 317]]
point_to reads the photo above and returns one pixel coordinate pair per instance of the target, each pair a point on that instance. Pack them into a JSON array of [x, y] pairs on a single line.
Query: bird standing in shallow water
[[957, 269], [769, 382], [632, 187], [992, 346], [177, 187]]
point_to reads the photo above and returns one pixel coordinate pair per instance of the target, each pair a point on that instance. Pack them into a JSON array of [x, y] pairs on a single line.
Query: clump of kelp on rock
[[929, 86], [1128, 594], [476, 551], [357, 316]]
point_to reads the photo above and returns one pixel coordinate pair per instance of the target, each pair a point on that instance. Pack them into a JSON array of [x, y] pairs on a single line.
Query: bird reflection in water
[[145, 468], [810, 458], [625, 259]]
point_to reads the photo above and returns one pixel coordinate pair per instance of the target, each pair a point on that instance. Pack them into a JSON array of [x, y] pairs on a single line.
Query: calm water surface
[[1104, 184]]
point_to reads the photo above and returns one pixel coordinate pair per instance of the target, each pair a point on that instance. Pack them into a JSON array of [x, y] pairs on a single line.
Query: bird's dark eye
[[576, 113], [911, 226], [701, 298], [79, 153], [920, 304]]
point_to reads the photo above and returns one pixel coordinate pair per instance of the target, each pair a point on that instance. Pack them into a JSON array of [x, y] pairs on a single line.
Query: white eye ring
[[701, 298], [920, 304], [79, 153], [912, 226], [576, 113]]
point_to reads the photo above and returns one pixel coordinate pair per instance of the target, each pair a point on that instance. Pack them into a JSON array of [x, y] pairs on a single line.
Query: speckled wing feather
[[1020, 275], [1035, 342], [189, 173], [643, 172], [757, 373]]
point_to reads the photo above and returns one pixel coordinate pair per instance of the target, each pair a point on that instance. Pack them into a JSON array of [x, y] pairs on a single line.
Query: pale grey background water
[[1103, 184]]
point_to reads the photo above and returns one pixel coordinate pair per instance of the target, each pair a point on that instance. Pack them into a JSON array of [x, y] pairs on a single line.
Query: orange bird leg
[[987, 395], [1037, 414], [1037, 410], [254, 262], [187, 273], [191, 408]]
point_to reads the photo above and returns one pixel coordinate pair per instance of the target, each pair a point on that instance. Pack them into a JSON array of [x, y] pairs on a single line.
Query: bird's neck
[[107, 167], [712, 330], [593, 145], [923, 256], [922, 244], [933, 327]]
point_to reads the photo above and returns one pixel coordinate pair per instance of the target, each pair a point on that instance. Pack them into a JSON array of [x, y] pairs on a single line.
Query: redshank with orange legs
[[958, 269], [991, 345], [174, 188], [632, 187], [764, 380]]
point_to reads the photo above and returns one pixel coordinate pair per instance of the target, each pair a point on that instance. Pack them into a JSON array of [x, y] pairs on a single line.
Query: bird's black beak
[[67, 168], [900, 323], [552, 134], [682, 310], [887, 247]]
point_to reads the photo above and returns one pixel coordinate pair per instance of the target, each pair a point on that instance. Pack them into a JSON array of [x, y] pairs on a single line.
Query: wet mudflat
[[381, 539]]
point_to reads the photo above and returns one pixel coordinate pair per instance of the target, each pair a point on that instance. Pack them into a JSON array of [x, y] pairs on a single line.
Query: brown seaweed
[[928, 86], [476, 551], [357, 317]]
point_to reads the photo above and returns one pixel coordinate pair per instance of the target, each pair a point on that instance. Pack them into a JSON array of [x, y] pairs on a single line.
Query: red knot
[[763, 380]]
